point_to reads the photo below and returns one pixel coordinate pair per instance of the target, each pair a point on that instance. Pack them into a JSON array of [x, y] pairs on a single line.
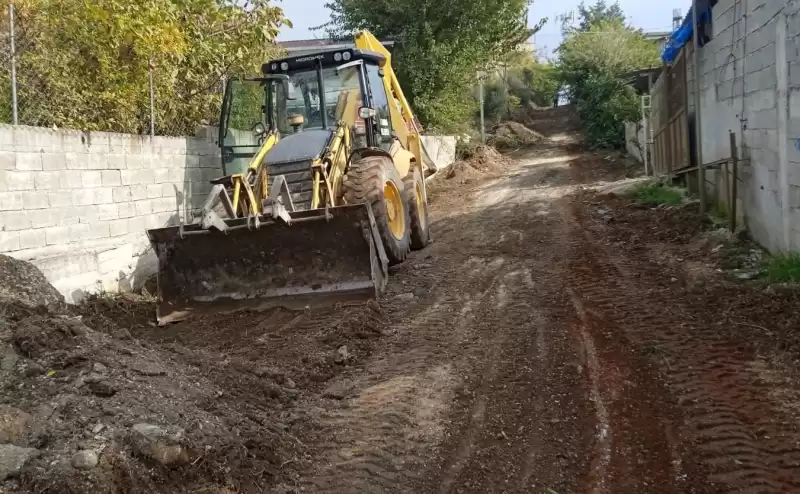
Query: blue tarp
[[683, 34]]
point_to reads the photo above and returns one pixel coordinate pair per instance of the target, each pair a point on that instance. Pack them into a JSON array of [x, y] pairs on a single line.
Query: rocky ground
[[556, 337]]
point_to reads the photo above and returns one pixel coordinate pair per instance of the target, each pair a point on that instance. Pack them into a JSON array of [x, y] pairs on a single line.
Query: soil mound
[[24, 283], [508, 135]]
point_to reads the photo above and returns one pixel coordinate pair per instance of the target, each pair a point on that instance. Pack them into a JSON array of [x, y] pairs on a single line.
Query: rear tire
[[417, 205], [375, 180]]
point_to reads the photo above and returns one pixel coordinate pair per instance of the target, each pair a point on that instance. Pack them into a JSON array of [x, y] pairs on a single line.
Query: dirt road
[[544, 343]]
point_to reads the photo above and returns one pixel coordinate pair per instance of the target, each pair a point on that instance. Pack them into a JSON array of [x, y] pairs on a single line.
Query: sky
[[650, 15]]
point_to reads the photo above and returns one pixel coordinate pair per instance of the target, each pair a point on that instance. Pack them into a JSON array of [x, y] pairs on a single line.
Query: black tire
[[364, 183], [420, 227]]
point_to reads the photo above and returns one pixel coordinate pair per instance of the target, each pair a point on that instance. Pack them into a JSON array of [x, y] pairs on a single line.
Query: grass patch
[[656, 194], [782, 268]]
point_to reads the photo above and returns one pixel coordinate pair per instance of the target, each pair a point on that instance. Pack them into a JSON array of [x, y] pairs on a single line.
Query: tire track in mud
[[381, 439], [732, 434]]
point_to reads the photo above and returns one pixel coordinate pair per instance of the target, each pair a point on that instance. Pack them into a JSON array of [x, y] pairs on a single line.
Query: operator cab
[[304, 93]]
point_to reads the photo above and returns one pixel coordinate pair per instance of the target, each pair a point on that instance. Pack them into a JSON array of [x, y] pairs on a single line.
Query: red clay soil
[[550, 340]]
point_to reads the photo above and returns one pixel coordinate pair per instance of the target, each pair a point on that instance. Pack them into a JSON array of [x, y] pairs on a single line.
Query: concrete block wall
[[77, 204], [750, 84]]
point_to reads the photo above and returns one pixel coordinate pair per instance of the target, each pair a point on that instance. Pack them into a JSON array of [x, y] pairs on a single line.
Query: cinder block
[[133, 162], [70, 179], [118, 228], [32, 239], [87, 214], [14, 180], [29, 161], [171, 189], [82, 197], [11, 201], [54, 161], [107, 212], [176, 175], [760, 100], [764, 119], [103, 196], [143, 208], [98, 142], [161, 175], [99, 230], [76, 161], [97, 161], [121, 194], [154, 191], [194, 161], [9, 241], [35, 200], [79, 232], [91, 179], [138, 192], [68, 216], [144, 176], [126, 210], [43, 218], [115, 260], [57, 235], [111, 178], [8, 160], [59, 198], [762, 79], [13, 221], [46, 180]]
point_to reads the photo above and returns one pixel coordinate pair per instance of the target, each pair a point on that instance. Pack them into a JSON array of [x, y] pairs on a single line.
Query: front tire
[[375, 180], [417, 205]]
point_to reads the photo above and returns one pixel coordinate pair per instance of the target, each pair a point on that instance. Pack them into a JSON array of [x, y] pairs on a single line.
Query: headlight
[[274, 66], [346, 56], [285, 66], [337, 57]]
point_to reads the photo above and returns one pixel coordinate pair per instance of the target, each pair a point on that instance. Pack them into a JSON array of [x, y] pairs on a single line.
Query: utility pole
[[14, 112], [483, 122], [698, 121]]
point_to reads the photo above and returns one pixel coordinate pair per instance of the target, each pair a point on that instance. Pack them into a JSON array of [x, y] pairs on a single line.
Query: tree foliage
[[592, 62], [598, 12], [521, 79], [85, 63], [442, 44]]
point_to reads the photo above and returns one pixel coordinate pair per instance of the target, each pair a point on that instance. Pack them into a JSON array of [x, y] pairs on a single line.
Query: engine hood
[[303, 146]]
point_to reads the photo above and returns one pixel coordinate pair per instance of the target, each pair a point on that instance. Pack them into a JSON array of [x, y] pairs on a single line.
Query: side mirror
[[289, 89]]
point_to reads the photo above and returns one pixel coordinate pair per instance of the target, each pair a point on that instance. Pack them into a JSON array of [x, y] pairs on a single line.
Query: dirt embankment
[[95, 399]]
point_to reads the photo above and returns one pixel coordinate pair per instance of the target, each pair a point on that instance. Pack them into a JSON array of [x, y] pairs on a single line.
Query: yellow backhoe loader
[[323, 190]]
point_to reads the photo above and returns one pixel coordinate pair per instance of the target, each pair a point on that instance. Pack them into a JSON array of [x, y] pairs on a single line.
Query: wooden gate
[[670, 120]]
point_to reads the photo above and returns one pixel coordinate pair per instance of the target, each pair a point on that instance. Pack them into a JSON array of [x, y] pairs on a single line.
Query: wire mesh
[[54, 90]]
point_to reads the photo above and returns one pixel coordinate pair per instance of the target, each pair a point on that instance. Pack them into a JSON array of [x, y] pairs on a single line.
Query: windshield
[[342, 94]]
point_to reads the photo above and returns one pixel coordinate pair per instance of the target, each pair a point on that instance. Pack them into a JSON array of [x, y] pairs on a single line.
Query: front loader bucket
[[322, 257]]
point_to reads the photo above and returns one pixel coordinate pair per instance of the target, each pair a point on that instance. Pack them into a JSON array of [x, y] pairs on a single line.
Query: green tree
[[441, 46], [599, 11], [591, 66], [85, 64]]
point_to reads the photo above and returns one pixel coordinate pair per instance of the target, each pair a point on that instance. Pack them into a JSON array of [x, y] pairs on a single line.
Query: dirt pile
[[485, 160], [514, 135], [23, 282], [101, 403]]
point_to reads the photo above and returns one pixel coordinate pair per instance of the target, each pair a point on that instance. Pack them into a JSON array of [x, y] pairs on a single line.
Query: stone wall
[[77, 204], [750, 84]]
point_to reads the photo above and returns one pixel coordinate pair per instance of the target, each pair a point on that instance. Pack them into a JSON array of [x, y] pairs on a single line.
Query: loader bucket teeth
[[322, 257]]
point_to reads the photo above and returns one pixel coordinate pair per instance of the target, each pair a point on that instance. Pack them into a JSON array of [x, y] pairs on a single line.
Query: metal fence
[[155, 102]]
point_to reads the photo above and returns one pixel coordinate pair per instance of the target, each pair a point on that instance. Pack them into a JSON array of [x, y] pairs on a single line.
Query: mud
[[551, 339]]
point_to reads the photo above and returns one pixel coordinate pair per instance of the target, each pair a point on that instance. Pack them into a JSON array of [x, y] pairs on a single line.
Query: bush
[[782, 268], [656, 194]]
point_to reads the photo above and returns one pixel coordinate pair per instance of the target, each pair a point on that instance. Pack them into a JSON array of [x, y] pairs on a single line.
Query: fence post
[[483, 124], [152, 98], [14, 112]]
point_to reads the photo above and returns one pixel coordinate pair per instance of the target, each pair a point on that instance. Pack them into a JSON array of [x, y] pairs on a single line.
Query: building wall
[[77, 204], [750, 84]]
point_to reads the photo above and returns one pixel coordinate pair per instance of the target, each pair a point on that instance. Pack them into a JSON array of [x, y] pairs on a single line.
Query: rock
[[405, 297], [104, 389], [342, 355], [289, 383], [14, 424], [84, 460], [13, 458], [8, 360], [98, 367], [24, 283], [98, 428], [747, 275], [33, 369], [156, 443], [338, 390], [148, 369]]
